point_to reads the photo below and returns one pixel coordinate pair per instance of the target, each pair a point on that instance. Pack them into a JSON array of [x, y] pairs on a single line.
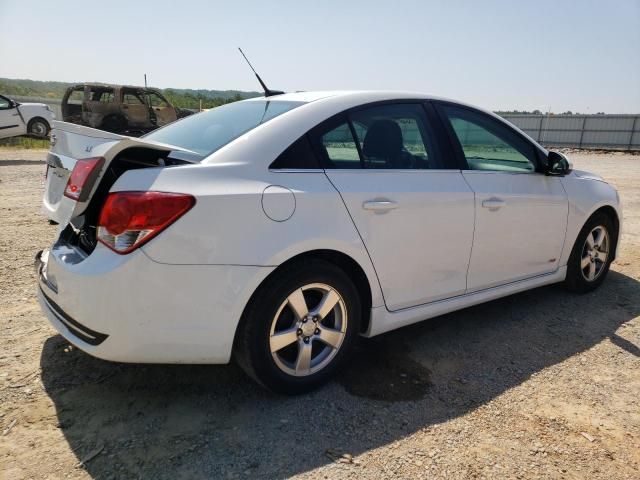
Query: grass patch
[[25, 142]]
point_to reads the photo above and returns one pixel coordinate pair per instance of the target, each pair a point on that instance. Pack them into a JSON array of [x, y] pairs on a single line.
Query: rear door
[[521, 214], [163, 111], [410, 204]]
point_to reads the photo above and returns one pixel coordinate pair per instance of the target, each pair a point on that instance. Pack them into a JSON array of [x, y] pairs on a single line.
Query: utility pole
[[145, 80]]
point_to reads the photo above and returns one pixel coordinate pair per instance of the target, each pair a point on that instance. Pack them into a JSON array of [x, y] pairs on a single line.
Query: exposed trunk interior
[[81, 231]]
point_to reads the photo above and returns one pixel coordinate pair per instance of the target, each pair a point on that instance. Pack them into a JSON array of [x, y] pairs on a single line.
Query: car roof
[[109, 85], [374, 95], [280, 132]]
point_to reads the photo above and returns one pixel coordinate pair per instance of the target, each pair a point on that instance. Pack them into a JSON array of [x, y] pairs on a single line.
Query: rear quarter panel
[[228, 225]]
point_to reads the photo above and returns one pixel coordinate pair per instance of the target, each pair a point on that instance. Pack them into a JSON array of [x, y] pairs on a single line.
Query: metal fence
[[620, 132]]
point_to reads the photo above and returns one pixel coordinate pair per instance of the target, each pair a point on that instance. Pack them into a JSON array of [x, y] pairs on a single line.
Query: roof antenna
[[267, 92]]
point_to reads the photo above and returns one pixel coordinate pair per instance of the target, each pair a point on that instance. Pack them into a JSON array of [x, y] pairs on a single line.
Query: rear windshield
[[206, 132]]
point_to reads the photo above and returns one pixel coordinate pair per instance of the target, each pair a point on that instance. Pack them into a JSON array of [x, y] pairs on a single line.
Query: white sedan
[[24, 118], [278, 229]]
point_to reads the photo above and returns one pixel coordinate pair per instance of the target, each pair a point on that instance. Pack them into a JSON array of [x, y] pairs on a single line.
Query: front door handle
[[382, 205], [493, 203]]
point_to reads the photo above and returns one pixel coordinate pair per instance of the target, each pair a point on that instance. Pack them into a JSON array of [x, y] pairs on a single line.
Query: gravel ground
[[544, 384]]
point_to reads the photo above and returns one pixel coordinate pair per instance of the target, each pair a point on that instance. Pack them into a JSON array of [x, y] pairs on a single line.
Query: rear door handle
[[379, 205], [493, 203]]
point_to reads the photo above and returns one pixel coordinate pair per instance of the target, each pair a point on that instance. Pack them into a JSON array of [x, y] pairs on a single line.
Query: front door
[[521, 214], [135, 108], [163, 111], [11, 123], [413, 210]]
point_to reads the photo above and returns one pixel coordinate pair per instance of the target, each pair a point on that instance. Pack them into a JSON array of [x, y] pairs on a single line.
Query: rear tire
[[592, 254], [299, 327]]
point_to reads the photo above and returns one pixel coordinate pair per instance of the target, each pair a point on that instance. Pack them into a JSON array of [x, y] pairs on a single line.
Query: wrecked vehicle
[[118, 108]]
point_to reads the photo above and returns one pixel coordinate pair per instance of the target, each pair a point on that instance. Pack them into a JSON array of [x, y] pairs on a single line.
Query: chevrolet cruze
[[276, 230]]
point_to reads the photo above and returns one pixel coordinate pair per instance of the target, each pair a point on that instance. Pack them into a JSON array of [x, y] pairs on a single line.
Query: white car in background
[[278, 229], [24, 118]]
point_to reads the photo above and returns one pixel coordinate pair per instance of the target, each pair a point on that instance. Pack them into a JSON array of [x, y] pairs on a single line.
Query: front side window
[[132, 98], [206, 132], [156, 100], [76, 97], [5, 104], [487, 144]]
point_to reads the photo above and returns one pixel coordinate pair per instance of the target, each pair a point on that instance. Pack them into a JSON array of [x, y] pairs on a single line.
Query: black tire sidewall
[[33, 121], [264, 307], [575, 280]]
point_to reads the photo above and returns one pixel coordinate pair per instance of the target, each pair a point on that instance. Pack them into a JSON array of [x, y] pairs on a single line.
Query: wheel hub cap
[[308, 328]]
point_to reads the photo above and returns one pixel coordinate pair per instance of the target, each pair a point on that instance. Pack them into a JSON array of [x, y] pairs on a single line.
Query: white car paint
[[532, 211], [434, 211], [179, 297], [15, 117]]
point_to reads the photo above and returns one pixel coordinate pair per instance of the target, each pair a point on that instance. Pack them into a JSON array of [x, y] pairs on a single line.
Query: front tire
[[38, 127], [592, 254], [299, 327]]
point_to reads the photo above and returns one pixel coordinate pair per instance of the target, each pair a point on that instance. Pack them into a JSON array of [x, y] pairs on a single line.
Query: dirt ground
[[544, 384]]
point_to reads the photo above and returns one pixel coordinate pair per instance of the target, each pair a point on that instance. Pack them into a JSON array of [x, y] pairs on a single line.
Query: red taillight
[[83, 174], [129, 219]]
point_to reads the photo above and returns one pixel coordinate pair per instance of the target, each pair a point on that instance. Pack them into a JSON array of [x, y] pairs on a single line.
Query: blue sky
[[568, 55]]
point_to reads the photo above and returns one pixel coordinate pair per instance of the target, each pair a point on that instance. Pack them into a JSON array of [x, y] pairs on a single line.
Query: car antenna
[[267, 91]]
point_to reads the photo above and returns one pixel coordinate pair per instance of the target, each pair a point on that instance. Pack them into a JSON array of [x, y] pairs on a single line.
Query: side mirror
[[558, 164]]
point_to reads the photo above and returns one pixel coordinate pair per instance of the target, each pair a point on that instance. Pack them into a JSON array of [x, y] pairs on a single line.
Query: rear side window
[[76, 97], [395, 136], [391, 136], [299, 155], [340, 148], [101, 94]]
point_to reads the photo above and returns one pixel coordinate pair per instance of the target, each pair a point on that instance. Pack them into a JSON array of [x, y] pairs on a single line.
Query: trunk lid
[[72, 142], [69, 143]]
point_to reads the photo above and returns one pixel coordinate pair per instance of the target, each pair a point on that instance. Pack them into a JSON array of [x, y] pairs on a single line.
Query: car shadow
[[169, 421]]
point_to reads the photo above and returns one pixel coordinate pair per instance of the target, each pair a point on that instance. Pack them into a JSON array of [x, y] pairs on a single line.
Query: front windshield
[[206, 132]]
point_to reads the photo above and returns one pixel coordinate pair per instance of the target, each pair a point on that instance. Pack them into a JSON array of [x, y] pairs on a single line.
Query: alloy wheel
[[308, 329], [595, 253]]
